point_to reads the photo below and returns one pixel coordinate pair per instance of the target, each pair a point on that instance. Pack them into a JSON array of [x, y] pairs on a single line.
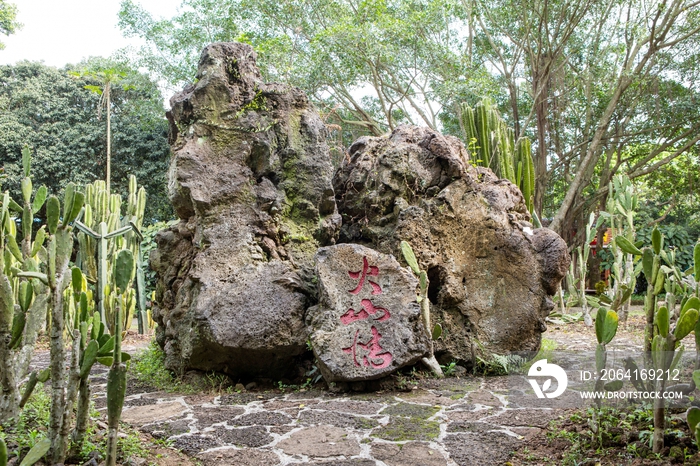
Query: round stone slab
[[367, 323]]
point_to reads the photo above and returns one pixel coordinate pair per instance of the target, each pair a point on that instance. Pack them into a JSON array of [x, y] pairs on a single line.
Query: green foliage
[[494, 146], [605, 325], [496, 364], [149, 244], [148, 368], [433, 333], [52, 112], [107, 231], [8, 21], [676, 237]]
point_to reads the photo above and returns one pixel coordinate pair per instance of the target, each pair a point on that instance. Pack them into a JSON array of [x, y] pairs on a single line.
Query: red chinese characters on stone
[[372, 271], [377, 358], [368, 309]]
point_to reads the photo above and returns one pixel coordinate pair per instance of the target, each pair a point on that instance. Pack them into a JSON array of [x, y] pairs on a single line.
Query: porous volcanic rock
[[491, 273], [367, 323], [250, 180]]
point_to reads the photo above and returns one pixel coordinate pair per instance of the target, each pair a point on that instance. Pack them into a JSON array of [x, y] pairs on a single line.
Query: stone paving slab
[[438, 426], [456, 421]]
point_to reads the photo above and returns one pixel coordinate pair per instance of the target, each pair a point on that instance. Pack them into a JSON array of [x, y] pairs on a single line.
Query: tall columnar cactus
[[21, 302], [103, 233], [116, 379], [60, 247], [433, 333], [493, 145]]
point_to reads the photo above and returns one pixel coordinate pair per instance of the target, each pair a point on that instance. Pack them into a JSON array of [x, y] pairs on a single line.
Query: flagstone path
[[454, 421]]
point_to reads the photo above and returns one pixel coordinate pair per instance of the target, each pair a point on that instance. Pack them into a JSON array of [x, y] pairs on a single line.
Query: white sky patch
[[59, 32]]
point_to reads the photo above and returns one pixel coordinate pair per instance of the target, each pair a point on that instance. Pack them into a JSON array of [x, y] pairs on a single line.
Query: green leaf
[[77, 280], [410, 257], [68, 197], [648, 264], [663, 321], [692, 303], [437, 331], [107, 347], [26, 160], [44, 375], [686, 324], [656, 240], [25, 295], [26, 186], [37, 452], [38, 241], [123, 268], [14, 248], [658, 346], [605, 325], [423, 282], [627, 246], [39, 198], [96, 89], [53, 212], [693, 417], [106, 360], [3, 452], [89, 358], [696, 378]]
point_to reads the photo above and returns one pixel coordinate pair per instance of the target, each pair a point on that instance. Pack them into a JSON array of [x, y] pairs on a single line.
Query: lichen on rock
[[250, 180]]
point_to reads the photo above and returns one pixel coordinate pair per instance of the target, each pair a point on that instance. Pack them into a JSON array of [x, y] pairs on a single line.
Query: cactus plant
[[21, 302], [494, 146], [661, 342], [619, 215], [103, 233], [3, 452], [116, 378], [35, 281], [433, 333]]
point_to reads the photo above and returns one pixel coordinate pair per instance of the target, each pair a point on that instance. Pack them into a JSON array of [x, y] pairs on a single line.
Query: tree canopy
[[53, 112], [8, 20], [601, 87]]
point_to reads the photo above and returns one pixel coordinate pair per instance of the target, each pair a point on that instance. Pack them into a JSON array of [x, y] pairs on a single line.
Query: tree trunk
[[109, 139], [540, 89]]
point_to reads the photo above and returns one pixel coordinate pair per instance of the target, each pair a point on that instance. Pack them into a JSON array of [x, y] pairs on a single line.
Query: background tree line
[[601, 87], [53, 112]]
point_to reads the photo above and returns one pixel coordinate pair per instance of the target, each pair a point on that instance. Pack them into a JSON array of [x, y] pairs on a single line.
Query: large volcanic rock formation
[[491, 274], [252, 184], [250, 179]]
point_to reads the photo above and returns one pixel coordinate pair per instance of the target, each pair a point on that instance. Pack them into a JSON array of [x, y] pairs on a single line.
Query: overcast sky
[[58, 32]]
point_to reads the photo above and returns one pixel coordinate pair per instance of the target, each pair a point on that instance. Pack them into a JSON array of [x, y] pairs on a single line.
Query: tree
[[368, 65], [8, 22], [52, 112], [585, 79], [107, 77]]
